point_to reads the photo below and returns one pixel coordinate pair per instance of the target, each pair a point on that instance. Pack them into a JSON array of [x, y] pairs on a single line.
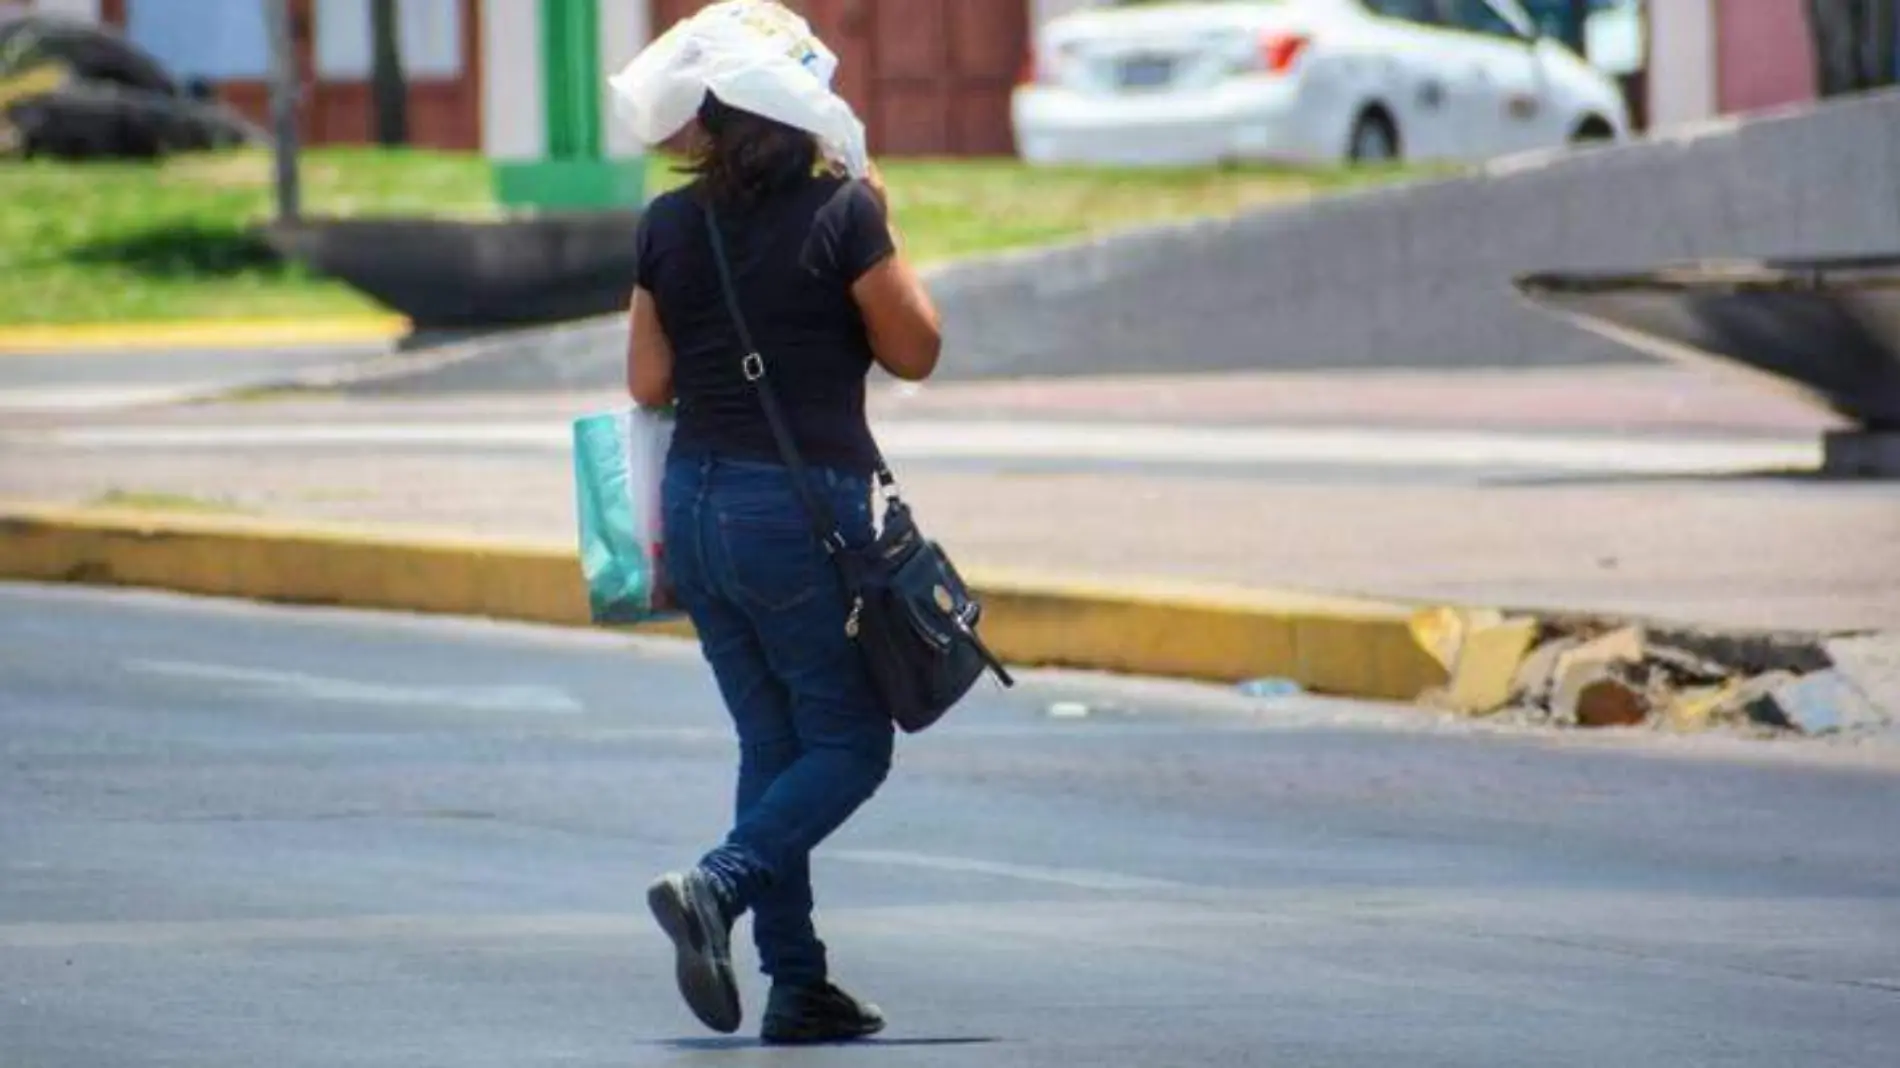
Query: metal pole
[[1883, 37], [283, 107], [389, 89]]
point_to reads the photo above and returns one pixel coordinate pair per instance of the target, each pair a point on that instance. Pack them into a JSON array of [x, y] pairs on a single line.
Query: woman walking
[[826, 294]]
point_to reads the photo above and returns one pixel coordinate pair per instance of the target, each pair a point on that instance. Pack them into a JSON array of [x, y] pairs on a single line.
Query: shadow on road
[[707, 1045]]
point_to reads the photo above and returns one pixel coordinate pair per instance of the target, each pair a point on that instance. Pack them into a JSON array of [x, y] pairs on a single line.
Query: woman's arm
[[649, 355], [905, 331], [902, 321]]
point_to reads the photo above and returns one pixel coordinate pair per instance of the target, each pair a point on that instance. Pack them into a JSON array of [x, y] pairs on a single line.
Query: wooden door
[[941, 72], [928, 77]]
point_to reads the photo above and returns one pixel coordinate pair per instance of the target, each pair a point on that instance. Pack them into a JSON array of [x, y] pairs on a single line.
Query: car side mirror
[[200, 89]]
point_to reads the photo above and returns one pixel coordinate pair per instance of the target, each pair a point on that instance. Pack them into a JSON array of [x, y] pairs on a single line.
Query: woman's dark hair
[[743, 157]]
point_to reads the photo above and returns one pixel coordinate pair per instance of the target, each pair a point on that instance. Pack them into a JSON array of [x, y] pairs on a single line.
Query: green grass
[[142, 501], [114, 242]]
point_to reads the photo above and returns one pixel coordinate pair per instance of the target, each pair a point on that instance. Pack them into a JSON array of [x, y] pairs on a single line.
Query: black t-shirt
[[794, 258]]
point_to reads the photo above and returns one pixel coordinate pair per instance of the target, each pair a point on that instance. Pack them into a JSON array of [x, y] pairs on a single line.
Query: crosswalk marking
[[1133, 443]]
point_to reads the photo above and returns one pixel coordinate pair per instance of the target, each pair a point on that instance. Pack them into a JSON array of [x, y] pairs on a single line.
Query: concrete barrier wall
[[1410, 276], [1418, 275]]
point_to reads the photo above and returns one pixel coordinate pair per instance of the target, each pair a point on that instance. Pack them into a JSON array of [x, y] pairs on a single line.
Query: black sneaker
[[695, 916], [817, 1013]]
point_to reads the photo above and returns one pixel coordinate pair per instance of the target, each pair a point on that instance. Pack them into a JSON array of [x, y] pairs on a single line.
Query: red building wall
[[928, 77], [443, 113]]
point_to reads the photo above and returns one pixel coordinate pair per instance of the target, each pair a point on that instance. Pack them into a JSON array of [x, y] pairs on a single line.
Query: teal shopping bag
[[618, 460]]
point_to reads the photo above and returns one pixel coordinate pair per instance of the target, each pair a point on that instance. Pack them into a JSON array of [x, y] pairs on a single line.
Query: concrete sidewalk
[[1771, 551]]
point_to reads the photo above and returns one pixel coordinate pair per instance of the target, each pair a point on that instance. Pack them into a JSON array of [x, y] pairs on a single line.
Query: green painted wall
[[575, 174]]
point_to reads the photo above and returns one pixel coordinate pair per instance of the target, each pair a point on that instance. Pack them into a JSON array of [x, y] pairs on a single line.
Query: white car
[[1139, 82]]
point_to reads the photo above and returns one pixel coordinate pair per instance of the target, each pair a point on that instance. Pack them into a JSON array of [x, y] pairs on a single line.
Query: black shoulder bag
[[911, 615]]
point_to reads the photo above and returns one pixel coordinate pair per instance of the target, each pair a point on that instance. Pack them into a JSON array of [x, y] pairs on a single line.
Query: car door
[[1500, 83], [1416, 79]]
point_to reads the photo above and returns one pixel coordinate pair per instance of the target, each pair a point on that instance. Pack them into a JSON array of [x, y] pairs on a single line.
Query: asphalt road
[[107, 381], [247, 836]]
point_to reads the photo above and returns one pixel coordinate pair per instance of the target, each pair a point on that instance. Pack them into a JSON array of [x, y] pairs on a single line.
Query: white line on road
[[1078, 878], [1114, 442], [533, 699], [377, 931], [1242, 446], [94, 398], [444, 927]]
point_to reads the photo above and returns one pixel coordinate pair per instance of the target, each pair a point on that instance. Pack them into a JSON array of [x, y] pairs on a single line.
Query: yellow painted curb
[[1344, 646], [213, 335]]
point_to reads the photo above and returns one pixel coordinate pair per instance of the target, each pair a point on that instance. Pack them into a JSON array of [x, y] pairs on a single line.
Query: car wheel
[[1373, 140], [1593, 130]]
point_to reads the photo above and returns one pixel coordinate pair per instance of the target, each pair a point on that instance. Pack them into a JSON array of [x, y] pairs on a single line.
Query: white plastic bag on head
[[755, 55]]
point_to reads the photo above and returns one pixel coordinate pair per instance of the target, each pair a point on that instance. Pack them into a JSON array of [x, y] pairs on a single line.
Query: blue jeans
[[814, 742]]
